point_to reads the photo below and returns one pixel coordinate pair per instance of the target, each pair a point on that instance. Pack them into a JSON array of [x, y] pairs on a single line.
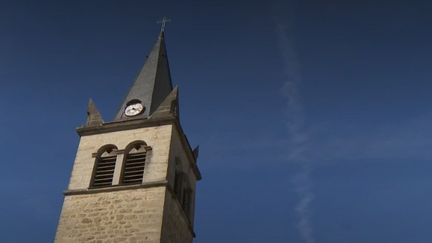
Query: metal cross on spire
[[163, 22]]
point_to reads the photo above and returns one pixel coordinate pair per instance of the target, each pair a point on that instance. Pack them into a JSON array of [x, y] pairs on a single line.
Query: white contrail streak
[[298, 136]]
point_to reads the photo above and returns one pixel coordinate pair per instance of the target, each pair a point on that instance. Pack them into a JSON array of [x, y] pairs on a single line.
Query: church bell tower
[[133, 178]]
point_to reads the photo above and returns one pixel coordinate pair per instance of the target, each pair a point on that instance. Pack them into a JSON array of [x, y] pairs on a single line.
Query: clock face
[[134, 109]]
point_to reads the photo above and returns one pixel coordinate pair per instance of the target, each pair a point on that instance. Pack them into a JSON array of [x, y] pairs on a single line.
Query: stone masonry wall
[[156, 164], [178, 150], [140, 215], [132, 216]]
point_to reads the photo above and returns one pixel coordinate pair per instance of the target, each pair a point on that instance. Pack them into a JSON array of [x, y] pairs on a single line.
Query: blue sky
[[313, 117]]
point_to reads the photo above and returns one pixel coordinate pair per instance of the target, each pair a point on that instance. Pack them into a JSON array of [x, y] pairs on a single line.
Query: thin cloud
[[407, 139], [298, 136]]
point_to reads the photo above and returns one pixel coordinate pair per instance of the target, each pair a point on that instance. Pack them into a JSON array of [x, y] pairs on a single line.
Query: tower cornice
[[125, 125]]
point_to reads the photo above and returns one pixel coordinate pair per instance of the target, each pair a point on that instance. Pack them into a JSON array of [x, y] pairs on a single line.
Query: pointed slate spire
[[169, 107], [94, 117], [152, 84]]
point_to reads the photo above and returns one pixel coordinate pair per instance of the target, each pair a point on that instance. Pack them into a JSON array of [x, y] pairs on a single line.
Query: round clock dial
[[134, 109]]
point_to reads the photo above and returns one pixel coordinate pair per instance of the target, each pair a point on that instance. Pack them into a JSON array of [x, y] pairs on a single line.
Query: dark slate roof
[[169, 107], [153, 83]]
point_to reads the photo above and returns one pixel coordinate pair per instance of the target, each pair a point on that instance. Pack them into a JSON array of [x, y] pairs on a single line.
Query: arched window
[[104, 166], [134, 163]]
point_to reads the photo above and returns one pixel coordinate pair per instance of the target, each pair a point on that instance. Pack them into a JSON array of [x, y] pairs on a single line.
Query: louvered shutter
[[104, 168], [133, 167]]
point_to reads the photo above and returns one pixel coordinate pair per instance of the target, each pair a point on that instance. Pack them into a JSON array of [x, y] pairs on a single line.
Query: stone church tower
[[133, 178]]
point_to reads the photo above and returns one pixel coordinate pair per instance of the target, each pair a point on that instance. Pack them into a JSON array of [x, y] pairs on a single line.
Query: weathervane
[[163, 22]]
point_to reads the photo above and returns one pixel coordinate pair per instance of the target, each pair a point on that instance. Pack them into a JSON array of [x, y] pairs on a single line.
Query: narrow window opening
[[133, 168], [178, 185], [178, 179], [104, 168], [182, 189], [187, 200]]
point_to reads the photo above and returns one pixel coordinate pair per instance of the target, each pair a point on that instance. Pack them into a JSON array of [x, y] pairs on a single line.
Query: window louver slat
[[104, 171], [134, 168], [106, 175], [106, 166], [135, 174], [136, 159], [138, 179], [136, 164], [137, 167]]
